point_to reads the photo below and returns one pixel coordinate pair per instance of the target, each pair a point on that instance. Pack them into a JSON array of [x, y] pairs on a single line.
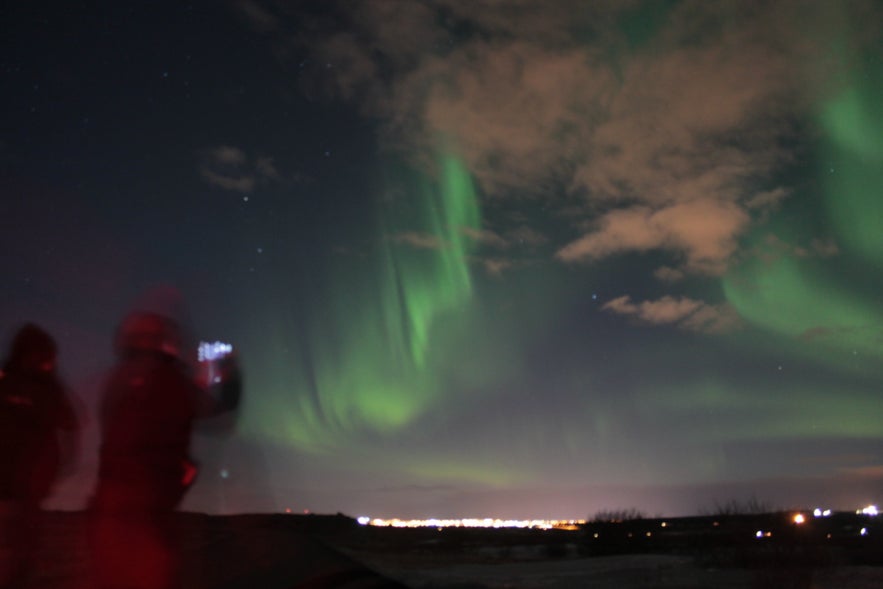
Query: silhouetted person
[[147, 413], [38, 431]]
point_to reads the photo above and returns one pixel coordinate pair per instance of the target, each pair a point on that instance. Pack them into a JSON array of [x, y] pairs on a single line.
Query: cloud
[[419, 240], [825, 248], [684, 312], [554, 103], [819, 332], [772, 247], [236, 184], [872, 471], [713, 319], [834, 333], [422, 240], [228, 155], [231, 168], [768, 199], [265, 166], [663, 311], [668, 274], [496, 266], [703, 232], [524, 235], [485, 237], [257, 15]]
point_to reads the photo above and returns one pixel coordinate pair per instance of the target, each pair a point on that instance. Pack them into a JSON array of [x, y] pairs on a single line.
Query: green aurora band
[[853, 180], [798, 299], [807, 298], [368, 364]]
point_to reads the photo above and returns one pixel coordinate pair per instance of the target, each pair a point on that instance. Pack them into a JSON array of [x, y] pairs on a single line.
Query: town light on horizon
[[798, 518], [542, 524]]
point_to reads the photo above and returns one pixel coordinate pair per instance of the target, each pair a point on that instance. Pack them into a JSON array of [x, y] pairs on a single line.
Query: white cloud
[[226, 154], [524, 235], [235, 183], [266, 166], [703, 232], [257, 15], [683, 312], [825, 248], [663, 311], [495, 266], [768, 199], [670, 145], [419, 240], [231, 168], [668, 274], [485, 237], [713, 319], [772, 247]]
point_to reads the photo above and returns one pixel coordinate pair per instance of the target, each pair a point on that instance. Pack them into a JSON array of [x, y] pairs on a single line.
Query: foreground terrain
[[288, 551]]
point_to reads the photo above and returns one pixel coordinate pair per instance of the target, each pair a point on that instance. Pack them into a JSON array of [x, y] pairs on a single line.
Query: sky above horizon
[[479, 258]]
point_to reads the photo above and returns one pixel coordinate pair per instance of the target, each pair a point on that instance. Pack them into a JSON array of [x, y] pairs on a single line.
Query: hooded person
[[38, 435], [149, 404]]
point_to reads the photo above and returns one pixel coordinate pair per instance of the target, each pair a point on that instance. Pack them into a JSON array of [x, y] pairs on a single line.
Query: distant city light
[[869, 510], [762, 534], [542, 524], [798, 518], [864, 532], [819, 512]]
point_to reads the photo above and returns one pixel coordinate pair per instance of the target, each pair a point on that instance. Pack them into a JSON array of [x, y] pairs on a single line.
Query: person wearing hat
[[38, 435], [148, 408]]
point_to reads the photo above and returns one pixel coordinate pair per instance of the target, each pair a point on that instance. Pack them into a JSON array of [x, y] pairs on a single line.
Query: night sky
[[523, 258]]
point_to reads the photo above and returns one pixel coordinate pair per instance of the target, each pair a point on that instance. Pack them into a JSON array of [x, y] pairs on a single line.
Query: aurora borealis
[[480, 259], [368, 361]]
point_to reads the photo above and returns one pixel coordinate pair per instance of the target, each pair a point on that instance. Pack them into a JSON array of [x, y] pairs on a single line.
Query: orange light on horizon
[[799, 518], [542, 524]]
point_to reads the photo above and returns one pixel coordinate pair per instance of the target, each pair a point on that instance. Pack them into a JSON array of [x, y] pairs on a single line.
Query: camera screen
[[209, 351]]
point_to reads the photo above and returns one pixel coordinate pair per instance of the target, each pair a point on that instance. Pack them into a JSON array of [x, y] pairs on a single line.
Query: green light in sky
[[852, 175], [850, 151], [367, 359], [462, 470], [797, 298], [802, 296], [792, 410], [421, 284], [788, 297], [642, 22]]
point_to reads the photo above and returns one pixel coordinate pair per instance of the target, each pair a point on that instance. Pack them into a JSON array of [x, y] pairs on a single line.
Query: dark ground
[[335, 552]]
